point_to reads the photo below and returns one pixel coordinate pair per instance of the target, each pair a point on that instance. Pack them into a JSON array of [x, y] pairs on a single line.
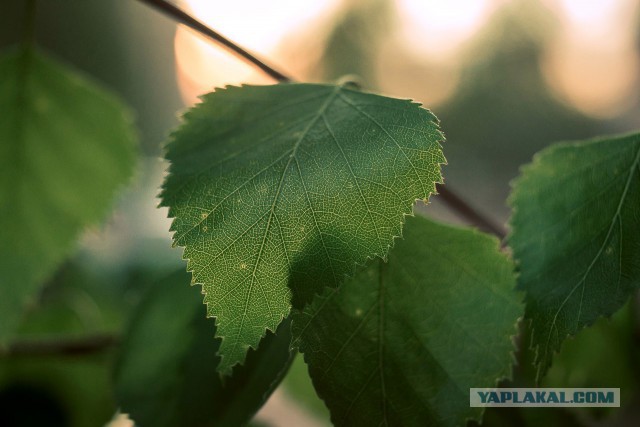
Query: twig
[[184, 18], [469, 213], [80, 346], [451, 199]]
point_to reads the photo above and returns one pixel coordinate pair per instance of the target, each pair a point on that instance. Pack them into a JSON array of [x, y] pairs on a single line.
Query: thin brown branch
[[60, 346], [184, 18], [448, 196], [466, 211]]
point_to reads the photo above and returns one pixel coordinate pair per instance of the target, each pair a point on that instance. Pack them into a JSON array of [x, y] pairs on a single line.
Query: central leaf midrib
[[355, 180], [178, 239], [292, 156], [232, 156]]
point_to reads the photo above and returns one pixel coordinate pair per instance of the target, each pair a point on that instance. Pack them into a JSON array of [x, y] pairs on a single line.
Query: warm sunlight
[[591, 14], [593, 64], [438, 28], [202, 65], [422, 60], [590, 64]]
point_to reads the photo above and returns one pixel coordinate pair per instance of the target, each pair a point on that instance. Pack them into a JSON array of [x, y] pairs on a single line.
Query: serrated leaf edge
[[184, 117], [537, 159]]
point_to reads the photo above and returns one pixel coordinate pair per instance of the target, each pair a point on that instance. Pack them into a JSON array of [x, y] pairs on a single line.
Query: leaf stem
[[184, 18], [458, 205], [448, 196], [80, 346]]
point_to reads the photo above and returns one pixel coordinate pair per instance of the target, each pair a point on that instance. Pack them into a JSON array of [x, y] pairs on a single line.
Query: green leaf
[[277, 191], [65, 147], [576, 236], [402, 343], [167, 373]]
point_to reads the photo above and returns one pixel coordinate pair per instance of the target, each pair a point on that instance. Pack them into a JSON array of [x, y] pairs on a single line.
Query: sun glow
[[593, 64], [436, 29], [590, 64], [202, 65], [421, 60]]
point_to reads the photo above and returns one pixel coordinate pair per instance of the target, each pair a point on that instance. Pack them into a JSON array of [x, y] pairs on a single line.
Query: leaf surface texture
[[402, 343], [277, 191], [576, 236]]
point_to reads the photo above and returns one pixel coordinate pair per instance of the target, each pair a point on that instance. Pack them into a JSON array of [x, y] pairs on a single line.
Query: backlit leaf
[[279, 190]]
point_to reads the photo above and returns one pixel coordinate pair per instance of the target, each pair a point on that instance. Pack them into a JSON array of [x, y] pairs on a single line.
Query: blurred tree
[[502, 114]]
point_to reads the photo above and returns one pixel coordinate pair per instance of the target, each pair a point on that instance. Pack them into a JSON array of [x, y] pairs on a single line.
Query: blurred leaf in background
[[605, 355], [166, 373], [66, 146]]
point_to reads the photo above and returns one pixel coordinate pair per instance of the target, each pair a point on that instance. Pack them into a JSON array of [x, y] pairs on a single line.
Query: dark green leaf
[[576, 236], [290, 185], [167, 372], [65, 147], [402, 343]]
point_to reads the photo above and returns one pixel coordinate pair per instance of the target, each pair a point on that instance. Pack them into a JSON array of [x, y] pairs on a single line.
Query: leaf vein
[[634, 165]]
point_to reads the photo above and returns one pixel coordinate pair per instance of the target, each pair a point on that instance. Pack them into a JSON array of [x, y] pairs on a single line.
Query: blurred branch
[[451, 199], [80, 346], [469, 213]]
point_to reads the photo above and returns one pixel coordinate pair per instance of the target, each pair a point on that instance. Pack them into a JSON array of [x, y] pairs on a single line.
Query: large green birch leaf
[[402, 343], [65, 147], [576, 236], [166, 372], [277, 191]]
